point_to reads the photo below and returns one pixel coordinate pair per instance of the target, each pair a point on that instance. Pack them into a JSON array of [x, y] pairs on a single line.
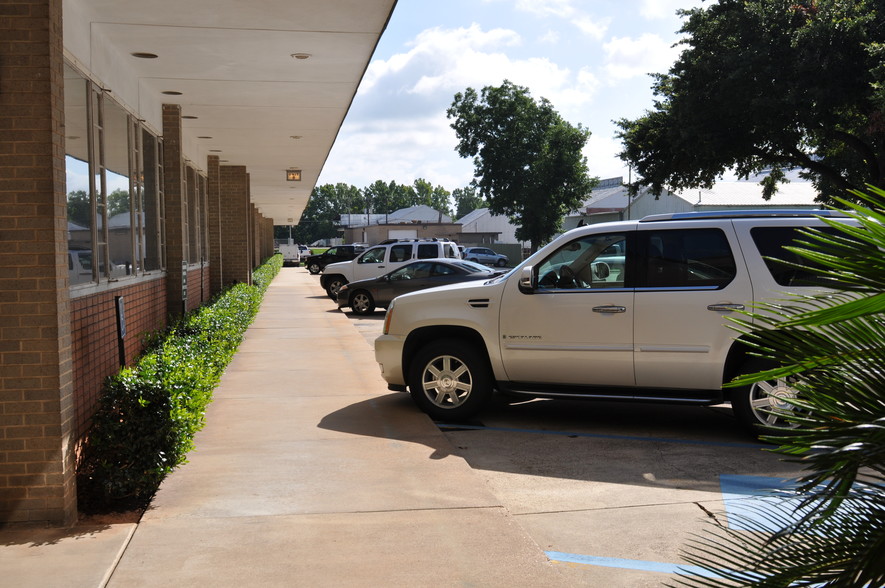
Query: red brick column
[[177, 243], [213, 193], [267, 238], [37, 480], [256, 237], [235, 225]]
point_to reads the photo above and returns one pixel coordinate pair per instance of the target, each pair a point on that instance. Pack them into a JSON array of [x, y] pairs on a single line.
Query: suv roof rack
[[754, 213], [425, 240]]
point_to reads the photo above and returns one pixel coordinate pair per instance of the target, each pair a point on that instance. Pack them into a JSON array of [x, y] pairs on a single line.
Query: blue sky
[[590, 58]]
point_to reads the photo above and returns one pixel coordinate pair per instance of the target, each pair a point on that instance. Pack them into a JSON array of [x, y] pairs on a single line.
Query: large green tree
[[769, 84], [326, 204], [437, 198], [528, 160], [467, 200]]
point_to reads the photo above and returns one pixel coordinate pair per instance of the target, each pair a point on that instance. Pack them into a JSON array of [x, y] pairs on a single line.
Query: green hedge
[[148, 413]]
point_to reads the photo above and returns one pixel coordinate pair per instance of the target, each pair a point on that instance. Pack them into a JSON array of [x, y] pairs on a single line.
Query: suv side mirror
[[527, 282]]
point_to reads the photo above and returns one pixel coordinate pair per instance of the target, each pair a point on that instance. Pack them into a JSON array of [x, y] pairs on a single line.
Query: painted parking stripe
[[457, 426], [628, 564]]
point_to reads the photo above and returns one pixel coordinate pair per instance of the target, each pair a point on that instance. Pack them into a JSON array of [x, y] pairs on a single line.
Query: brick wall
[[36, 409], [95, 343]]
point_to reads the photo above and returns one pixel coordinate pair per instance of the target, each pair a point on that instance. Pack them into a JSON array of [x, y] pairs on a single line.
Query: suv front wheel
[[450, 379], [334, 284], [764, 405]]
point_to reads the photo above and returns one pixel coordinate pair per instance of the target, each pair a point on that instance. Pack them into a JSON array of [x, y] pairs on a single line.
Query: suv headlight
[[388, 317]]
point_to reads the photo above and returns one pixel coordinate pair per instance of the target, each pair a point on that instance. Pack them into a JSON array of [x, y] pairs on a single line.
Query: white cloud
[[627, 57], [560, 8], [551, 37], [665, 9], [442, 62], [413, 138], [402, 151]]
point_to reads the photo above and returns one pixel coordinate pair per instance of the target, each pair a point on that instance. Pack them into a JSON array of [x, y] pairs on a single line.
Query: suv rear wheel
[[763, 406], [450, 379], [314, 268]]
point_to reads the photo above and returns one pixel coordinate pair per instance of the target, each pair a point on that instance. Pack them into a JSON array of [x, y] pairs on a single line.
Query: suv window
[[400, 253], [782, 263], [451, 251], [427, 250], [374, 255], [687, 258], [585, 263]]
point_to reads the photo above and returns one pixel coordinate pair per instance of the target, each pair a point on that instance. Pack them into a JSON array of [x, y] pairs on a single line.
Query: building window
[[114, 195]]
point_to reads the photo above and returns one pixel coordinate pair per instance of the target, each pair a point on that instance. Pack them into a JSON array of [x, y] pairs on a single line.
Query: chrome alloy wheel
[[446, 381], [362, 303], [771, 401]]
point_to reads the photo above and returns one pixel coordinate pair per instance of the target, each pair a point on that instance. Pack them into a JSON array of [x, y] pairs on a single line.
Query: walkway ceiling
[[236, 66]]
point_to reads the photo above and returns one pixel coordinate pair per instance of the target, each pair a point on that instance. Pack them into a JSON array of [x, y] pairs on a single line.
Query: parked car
[[316, 263], [80, 267], [383, 258], [363, 296], [631, 310], [485, 255], [303, 253]]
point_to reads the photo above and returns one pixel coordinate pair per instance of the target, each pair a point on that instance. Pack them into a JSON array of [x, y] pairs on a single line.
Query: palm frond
[[831, 346]]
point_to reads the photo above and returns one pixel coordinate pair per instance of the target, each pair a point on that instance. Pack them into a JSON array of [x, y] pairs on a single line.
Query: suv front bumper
[[389, 355]]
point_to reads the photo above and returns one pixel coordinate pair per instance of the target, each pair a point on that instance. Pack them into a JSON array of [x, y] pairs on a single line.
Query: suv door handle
[[725, 307], [610, 309]]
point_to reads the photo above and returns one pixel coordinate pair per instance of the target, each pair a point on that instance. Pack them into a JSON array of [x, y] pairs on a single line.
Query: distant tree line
[[329, 201]]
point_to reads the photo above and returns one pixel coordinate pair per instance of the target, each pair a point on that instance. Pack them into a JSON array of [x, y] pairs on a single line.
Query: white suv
[[633, 310], [382, 258]]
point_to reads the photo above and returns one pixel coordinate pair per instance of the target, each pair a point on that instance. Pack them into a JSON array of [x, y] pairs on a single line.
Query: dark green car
[[363, 296]]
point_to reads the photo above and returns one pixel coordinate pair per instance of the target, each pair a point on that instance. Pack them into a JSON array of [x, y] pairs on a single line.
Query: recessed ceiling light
[[142, 55], [172, 92], [190, 117], [301, 55]]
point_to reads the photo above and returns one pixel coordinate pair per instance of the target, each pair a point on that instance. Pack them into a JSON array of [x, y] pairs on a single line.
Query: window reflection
[[114, 184]]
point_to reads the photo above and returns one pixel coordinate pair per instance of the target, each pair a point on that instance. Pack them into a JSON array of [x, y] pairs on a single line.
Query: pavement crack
[[710, 514]]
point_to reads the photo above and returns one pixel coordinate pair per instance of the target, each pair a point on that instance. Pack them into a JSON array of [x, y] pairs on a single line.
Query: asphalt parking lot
[[612, 491]]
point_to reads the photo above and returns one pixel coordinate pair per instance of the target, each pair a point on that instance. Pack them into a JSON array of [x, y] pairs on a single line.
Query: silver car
[[485, 255]]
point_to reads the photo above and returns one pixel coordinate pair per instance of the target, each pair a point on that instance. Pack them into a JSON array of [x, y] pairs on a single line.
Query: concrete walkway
[[309, 472]]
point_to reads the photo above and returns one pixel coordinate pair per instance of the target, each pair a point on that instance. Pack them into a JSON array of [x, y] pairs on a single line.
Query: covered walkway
[[309, 472]]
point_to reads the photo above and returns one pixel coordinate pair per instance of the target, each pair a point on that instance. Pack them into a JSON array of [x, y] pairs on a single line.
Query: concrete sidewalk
[[309, 472]]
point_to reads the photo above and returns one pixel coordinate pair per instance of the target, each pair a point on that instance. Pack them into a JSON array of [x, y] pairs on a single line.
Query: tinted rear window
[[772, 241]]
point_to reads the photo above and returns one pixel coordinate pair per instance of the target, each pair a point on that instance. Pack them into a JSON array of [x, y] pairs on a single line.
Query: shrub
[[148, 413]]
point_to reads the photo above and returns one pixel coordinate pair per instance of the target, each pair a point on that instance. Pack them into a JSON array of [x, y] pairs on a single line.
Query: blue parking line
[[604, 436], [629, 564]]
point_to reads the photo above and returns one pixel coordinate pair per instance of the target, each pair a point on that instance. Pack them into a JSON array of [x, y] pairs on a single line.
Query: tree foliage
[[528, 160], [769, 84], [467, 200], [80, 206], [328, 202], [831, 530]]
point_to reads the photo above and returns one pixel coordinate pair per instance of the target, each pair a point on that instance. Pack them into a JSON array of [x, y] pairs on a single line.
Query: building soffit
[[234, 68]]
